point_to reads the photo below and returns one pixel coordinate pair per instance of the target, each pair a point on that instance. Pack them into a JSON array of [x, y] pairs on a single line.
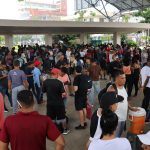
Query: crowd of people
[[60, 72]]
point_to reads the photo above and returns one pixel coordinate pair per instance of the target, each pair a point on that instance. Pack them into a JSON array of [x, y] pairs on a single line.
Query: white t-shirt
[[82, 54], [98, 132], [122, 108], [114, 144], [145, 71]]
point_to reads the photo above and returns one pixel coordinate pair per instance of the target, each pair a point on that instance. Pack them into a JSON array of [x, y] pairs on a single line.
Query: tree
[[125, 18], [81, 14], [145, 14]]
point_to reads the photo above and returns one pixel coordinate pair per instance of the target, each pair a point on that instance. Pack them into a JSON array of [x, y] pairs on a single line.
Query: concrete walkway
[[76, 140]]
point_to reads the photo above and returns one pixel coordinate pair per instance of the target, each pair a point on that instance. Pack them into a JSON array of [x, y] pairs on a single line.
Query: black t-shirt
[[54, 89], [28, 71], [61, 63], [80, 92]]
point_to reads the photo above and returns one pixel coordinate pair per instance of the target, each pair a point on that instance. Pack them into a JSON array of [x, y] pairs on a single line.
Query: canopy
[[126, 5]]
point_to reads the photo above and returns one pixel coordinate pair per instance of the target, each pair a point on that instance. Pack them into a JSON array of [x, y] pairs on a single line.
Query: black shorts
[[56, 112], [80, 103]]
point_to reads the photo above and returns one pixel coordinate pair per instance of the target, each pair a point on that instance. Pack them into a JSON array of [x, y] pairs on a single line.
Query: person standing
[[17, 81], [55, 91], [29, 74], [28, 130], [122, 108], [36, 78], [145, 74], [81, 89], [94, 73]]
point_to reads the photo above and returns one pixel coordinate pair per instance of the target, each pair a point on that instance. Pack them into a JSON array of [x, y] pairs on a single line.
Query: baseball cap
[[145, 138], [110, 98], [37, 63], [55, 71]]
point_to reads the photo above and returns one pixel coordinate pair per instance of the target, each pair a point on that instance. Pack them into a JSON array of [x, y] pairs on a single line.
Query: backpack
[[85, 83]]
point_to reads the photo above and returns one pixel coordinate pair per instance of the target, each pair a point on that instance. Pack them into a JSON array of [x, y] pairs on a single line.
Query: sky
[[9, 8]]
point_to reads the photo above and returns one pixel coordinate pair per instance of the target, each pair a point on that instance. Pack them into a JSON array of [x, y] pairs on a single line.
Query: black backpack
[[85, 83]]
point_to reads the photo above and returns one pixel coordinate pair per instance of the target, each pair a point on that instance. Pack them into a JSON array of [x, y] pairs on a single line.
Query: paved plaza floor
[[77, 139]]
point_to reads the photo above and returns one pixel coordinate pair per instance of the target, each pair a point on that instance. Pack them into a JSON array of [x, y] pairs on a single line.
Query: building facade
[[43, 9]]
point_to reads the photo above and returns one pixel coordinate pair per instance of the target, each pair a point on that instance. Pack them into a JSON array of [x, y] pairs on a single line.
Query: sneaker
[[6, 110], [85, 124], [66, 131], [79, 127]]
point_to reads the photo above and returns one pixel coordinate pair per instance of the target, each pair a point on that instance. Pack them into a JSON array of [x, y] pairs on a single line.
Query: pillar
[[83, 38], [48, 39], [117, 38], [9, 41]]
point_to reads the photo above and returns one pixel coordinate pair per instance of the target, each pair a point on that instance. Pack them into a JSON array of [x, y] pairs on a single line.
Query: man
[[28, 130], [94, 73], [28, 72], [55, 91], [81, 90], [36, 77], [145, 74], [17, 81], [145, 139], [122, 108]]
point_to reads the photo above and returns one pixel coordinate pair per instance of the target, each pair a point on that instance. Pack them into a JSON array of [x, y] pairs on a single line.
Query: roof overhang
[[129, 5], [66, 27]]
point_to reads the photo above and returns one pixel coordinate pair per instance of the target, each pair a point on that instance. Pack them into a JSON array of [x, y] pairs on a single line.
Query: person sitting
[[108, 141]]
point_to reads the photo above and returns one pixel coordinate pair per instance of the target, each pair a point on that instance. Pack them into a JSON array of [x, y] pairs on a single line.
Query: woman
[[108, 141], [129, 79], [136, 76]]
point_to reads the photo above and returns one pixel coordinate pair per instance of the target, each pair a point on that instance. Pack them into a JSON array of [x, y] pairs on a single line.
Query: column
[[48, 39], [117, 38], [83, 38], [9, 41]]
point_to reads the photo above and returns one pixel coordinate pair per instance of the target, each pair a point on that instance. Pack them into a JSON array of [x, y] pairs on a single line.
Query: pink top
[[1, 111], [65, 79]]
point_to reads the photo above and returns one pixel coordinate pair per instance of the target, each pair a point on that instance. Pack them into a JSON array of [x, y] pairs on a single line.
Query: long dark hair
[[109, 122]]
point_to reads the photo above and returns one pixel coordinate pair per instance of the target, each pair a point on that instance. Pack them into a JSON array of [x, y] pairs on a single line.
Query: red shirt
[[28, 131]]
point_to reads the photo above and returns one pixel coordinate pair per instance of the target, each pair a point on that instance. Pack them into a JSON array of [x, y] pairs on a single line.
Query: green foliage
[[81, 14], [67, 39], [131, 43], [145, 14], [124, 38], [92, 13], [125, 18]]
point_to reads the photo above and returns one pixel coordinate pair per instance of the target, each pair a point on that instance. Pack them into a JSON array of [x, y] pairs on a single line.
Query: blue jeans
[[38, 93], [120, 128], [94, 91], [15, 92]]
